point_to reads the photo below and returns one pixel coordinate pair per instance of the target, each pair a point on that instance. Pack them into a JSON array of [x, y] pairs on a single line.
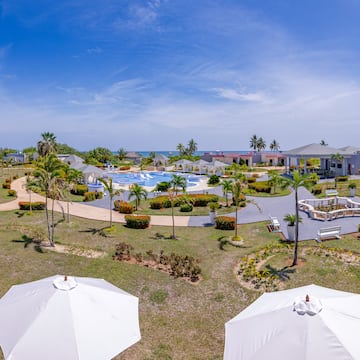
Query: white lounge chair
[[274, 224]]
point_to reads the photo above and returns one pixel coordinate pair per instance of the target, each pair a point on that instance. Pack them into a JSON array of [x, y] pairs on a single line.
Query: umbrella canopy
[[67, 318], [309, 322]]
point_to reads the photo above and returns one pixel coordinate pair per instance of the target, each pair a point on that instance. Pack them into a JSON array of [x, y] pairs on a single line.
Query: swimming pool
[[146, 178]]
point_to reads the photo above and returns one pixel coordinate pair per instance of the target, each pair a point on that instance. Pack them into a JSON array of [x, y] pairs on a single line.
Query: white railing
[[347, 208]]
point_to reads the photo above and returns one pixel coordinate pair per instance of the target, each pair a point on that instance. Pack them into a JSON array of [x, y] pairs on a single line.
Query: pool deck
[[274, 206]]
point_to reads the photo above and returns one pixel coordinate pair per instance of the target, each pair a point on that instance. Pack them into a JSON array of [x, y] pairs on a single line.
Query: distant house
[[160, 160], [133, 156], [70, 159], [19, 158]]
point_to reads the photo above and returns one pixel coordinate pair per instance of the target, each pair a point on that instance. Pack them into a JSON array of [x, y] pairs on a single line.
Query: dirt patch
[[88, 253]]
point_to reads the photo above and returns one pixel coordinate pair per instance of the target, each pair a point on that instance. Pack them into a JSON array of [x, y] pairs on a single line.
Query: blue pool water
[[146, 178]]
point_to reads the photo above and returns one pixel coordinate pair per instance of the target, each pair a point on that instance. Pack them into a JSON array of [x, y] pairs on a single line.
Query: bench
[[331, 192], [327, 233], [274, 225]]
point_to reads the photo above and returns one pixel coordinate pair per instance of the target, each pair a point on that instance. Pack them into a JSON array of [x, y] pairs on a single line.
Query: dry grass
[[178, 320]]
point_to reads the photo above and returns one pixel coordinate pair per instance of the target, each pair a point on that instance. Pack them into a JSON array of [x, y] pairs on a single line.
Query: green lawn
[[178, 320]]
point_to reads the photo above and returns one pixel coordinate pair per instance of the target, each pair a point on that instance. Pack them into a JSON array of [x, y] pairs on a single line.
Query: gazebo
[[333, 162]]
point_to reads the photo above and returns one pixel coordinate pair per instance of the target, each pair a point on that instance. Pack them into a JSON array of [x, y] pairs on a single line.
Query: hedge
[[196, 199], [6, 185], [25, 205], [123, 207], [93, 195], [79, 189], [137, 221], [186, 208], [11, 192], [260, 186], [225, 223], [341, 178]]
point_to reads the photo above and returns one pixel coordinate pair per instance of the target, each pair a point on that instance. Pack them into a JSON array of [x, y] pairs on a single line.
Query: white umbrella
[[310, 322], [67, 318]]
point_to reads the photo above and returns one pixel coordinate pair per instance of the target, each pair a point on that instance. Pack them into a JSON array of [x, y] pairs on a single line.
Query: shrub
[[7, 181], [124, 168], [203, 199], [25, 205], [162, 186], [99, 194], [156, 204], [6, 185], [123, 207], [137, 221], [90, 196], [11, 192], [79, 189], [15, 177], [225, 223], [341, 178], [186, 208], [260, 186], [214, 179], [251, 179], [317, 189]]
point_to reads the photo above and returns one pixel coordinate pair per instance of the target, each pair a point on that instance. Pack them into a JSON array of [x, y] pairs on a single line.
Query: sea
[[197, 153]]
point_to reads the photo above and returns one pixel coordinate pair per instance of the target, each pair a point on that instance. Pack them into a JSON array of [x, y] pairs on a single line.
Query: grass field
[[178, 320]]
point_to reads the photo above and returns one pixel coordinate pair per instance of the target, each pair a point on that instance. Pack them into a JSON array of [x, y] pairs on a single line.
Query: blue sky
[[147, 75]]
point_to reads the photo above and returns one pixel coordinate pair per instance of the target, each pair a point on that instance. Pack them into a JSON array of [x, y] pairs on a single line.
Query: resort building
[[19, 158]]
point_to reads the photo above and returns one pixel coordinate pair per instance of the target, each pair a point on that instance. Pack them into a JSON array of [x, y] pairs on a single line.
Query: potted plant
[[212, 211], [291, 220], [352, 188]]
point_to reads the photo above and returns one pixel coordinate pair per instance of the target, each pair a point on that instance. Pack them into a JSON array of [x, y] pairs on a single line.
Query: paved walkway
[[274, 206]]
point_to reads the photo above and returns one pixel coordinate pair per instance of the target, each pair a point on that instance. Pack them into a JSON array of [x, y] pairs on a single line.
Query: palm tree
[[47, 178], [253, 142], [323, 143], [108, 185], [295, 183], [122, 153], [172, 198], [181, 149], [177, 182], [237, 187], [226, 187], [192, 147], [260, 145], [71, 177], [138, 192], [274, 146], [274, 179], [47, 145], [337, 158]]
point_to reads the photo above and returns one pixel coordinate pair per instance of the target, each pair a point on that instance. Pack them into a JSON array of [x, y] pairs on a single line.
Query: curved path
[[274, 206]]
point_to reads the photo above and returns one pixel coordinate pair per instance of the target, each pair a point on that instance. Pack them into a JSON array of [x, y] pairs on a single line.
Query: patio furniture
[[328, 233], [274, 224]]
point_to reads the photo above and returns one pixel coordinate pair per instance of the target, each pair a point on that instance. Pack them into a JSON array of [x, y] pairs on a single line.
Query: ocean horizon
[[197, 153]]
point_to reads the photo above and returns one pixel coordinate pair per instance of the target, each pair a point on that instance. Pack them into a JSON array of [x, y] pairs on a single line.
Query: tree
[[253, 142], [47, 145], [138, 192], [172, 198], [226, 187], [274, 179], [274, 146], [295, 183], [191, 148], [99, 155], [47, 179], [337, 158], [108, 185], [237, 187], [177, 182], [260, 145], [181, 149], [122, 154], [323, 143]]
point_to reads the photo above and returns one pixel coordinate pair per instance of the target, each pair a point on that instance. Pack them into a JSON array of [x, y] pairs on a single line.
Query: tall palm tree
[[261, 144], [181, 149], [178, 182], [274, 146], [108, 185], [172, 198], [71, 178], [253, 142], [192, 147], [295, 183], [46, 178], [237, 187], [275, 179], [226, 187], [47, 145], [122, 153], [138, 192]]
